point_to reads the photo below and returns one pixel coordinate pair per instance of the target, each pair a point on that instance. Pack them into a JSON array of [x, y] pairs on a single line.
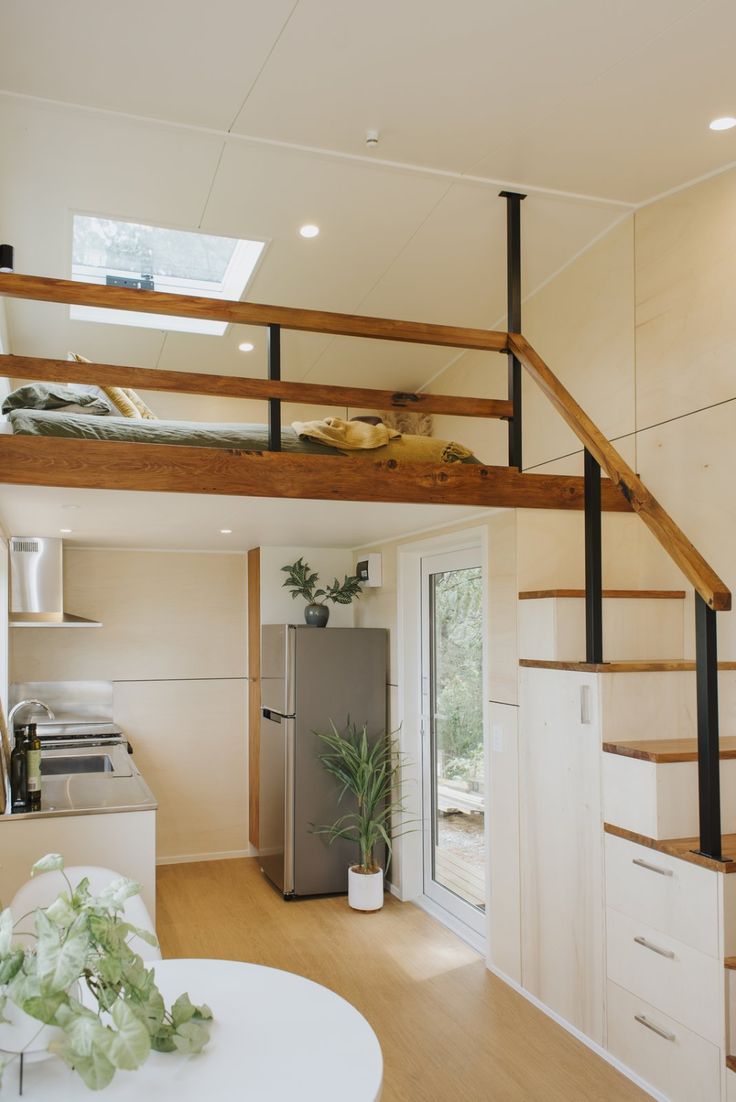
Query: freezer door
[[340, 673], [277, 667], [276, 797]]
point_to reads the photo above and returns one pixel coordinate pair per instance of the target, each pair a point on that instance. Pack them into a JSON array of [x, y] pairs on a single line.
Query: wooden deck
[[460, 877]]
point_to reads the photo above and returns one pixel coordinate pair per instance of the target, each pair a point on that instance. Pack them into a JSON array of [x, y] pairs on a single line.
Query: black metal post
[[593, 562], [709, 763], [274, 372], [513, 322]]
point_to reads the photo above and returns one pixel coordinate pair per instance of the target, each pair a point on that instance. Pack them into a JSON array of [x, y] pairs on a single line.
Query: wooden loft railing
[[85, 463], [704, 579]]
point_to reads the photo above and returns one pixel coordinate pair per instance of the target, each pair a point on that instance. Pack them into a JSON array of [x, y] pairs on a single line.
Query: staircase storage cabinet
[[682, 982], [673, 896], [673, 1059]]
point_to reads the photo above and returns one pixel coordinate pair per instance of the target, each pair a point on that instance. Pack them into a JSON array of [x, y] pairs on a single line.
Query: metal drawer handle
[[655, 1028], [655, 948], [652, 868]]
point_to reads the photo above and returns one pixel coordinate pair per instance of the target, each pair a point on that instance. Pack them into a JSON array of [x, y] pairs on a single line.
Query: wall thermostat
[[368, 570]]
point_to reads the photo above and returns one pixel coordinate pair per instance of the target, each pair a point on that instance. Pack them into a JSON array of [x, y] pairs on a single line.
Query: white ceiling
[[102, 518], [247, 118]]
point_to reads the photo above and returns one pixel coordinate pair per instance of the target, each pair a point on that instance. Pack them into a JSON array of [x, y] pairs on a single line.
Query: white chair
[[43, 889]]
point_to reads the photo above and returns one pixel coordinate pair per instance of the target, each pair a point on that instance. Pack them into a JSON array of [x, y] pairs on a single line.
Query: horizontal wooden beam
[[96, 464], [707, 583], [45, 289], [233, 386]]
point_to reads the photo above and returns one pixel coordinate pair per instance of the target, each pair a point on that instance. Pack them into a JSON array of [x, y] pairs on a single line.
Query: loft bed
[[52, 460]]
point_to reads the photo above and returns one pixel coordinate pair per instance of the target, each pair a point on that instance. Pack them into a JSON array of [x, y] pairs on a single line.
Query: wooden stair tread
[[731, 1062], [730, 962], [641, 594], [667, 750], [684, 848], [654, 665]]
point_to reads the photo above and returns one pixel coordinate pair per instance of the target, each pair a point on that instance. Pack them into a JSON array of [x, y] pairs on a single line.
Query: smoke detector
[[371, 138]]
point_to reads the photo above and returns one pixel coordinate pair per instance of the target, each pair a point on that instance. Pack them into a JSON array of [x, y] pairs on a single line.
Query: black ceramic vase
[[316, 615]]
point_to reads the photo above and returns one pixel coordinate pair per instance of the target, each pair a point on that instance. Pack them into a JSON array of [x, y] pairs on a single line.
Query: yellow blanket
[[347, 435]]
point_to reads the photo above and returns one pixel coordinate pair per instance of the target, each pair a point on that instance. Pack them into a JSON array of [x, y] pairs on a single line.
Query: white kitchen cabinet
[[122, 841]]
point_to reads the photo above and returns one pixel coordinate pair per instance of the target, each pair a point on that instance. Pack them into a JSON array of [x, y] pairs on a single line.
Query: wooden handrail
[[233, 386], [706, 582], [45, 289]]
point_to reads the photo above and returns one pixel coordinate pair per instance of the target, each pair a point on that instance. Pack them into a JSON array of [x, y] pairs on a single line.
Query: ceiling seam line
[[399, 166], [266, 60], [389, 266]]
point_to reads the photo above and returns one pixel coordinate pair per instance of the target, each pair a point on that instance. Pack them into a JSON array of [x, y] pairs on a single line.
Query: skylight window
[[129, 254]]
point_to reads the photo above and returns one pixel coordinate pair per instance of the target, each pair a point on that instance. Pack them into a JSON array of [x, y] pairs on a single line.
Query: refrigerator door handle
[[275, 717]]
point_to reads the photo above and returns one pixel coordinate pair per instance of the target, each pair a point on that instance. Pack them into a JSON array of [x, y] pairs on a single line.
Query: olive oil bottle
[[33, 768], [18, 772]]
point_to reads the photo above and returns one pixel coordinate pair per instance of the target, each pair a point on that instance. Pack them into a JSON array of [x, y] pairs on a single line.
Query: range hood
[[37, 585]]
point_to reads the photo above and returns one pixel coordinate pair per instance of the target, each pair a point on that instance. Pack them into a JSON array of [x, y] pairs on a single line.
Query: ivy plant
[[81, 944], [304, 582]]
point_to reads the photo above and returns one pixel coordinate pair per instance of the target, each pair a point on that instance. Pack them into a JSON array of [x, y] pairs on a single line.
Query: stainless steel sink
[[78, 763]]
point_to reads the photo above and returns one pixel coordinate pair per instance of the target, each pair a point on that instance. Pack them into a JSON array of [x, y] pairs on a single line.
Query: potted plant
[[303, 582], [82, 988], [371, 771]]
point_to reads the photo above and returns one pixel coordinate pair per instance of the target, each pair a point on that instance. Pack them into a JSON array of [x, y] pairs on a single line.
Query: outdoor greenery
[[303, 582], [370, 770], [152, 250], [81, 942], [458, 664]]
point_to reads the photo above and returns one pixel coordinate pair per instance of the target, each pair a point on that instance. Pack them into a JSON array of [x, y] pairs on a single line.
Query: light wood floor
[[450, 1031]]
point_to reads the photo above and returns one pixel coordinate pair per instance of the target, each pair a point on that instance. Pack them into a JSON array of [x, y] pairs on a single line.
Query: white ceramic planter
[[365, 890]]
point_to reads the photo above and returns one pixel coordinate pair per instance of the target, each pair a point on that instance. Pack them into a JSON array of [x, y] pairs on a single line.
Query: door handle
[[655, 1028], [651, 868], [654, 948], [275, 717]]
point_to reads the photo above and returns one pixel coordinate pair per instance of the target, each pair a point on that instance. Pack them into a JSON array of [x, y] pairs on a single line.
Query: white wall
[[277, 604], [173, 643]]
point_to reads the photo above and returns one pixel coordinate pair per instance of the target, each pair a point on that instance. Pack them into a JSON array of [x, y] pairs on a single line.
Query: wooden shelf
[[655, 665], [635, 594], [667, 750], [684, 848]]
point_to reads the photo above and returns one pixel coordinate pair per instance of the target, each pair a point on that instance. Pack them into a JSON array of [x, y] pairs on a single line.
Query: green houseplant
[[81, 978], [304, 582], [371, 771]]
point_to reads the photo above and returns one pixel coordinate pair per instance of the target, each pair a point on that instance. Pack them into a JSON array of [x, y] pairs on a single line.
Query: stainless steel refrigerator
[[309, 677]]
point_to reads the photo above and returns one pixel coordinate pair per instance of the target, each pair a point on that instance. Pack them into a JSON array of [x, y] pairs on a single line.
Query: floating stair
[[650, 787], [637, 623]]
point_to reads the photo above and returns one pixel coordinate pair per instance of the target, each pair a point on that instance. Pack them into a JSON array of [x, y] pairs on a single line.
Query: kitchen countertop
[[121, 789]]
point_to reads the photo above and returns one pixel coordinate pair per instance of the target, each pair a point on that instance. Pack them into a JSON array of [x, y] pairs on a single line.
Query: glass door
[[453, 794]]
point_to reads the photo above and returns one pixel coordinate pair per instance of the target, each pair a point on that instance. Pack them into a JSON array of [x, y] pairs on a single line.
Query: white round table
[[276, 1037]]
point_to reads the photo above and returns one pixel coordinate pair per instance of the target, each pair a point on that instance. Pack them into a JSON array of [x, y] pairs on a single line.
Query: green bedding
[[198, 434]]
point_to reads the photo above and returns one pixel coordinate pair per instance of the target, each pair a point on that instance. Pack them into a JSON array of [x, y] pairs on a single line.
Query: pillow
[[66, 396], [128, 402], [145, 411]]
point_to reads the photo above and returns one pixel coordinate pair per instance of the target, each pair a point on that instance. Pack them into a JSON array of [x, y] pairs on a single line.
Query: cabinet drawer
[[671, 895], [683, 983], [682, 1065]]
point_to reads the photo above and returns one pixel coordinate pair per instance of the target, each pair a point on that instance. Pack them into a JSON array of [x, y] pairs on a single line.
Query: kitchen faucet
[[25, 704]]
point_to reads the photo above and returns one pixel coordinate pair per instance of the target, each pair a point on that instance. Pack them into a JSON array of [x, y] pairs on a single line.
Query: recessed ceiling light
[[725, 123], [65, 531], [309, 230], [226, 531], [245, 346]]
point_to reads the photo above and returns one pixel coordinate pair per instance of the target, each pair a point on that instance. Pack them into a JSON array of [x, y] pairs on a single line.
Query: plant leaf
[[50, 863], [183, 1010], [96, 1070], [6, 932], [131, 1043], [60, 962], [113, 896], [61, 911], [191, 1037], [163, 1039]]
